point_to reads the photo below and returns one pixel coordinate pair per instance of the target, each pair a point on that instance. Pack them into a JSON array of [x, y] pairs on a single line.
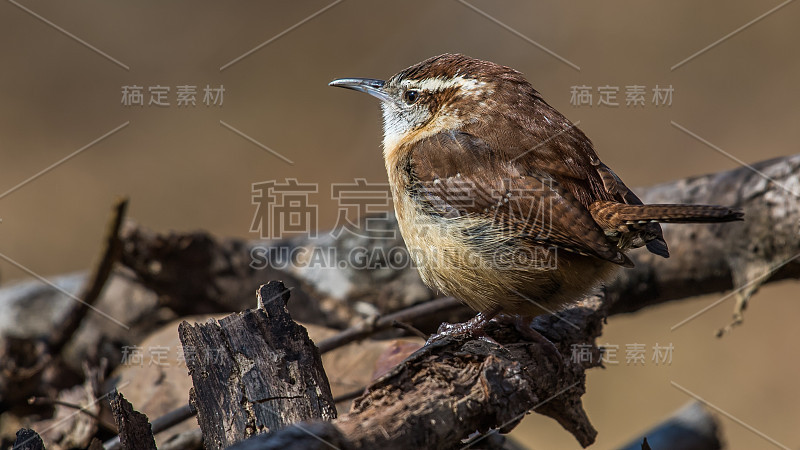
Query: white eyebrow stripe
[[440, 84]]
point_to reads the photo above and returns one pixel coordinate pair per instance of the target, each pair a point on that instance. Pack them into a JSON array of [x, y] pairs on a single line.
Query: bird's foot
[[475, 328]]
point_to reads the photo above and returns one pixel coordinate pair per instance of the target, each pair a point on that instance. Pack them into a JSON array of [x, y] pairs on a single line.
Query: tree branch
[[714, 258], [446, 391]]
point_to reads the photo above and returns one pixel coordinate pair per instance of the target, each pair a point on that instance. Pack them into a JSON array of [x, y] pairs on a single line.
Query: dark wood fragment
[[134, 428], [28, 439], [254, 372]]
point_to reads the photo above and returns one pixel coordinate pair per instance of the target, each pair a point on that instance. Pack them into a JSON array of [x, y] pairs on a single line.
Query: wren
[[502, 201]]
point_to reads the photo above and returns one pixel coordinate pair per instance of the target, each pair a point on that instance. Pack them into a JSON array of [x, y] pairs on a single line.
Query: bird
[[503, 202]]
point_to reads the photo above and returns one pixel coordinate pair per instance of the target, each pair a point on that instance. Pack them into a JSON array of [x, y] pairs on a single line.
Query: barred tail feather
[[613, 214], [678, 213]]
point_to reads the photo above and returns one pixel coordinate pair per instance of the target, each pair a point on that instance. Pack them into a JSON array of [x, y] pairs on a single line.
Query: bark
[[134, 427], [457, 386], [28, 439], [254, 372]]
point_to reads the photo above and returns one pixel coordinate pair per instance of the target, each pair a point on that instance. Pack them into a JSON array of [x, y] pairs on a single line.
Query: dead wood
[[28, 439], [456, 386], [312, 436], [714, 258], [447, 391], [452, 388], [254, 372], [196, 273], [134, 428]]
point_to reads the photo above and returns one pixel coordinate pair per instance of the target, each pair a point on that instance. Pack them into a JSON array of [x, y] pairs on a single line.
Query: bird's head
[[442, 93]]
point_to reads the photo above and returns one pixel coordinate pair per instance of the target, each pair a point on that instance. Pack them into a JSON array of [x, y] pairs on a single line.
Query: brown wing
[[538, 136], [562, 149], [457, 174]]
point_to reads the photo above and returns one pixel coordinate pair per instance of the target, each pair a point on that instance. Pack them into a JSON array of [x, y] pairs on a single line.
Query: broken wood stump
[[254, 372]]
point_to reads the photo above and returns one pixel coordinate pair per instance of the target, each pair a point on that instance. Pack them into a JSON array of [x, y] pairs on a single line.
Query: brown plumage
[[501, 200]]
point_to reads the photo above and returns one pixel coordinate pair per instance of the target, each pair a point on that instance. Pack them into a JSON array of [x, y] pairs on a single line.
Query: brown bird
[[502, 201]]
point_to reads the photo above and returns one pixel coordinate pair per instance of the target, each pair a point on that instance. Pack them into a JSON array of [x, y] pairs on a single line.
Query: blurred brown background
[[183, 170]]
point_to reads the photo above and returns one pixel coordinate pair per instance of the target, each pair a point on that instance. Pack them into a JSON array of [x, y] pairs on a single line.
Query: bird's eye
[[411, 96]]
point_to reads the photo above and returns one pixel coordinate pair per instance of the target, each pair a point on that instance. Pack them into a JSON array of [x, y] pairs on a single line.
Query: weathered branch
[[188, 440], [448, 390], [456, 386], [196, 273], [713, 258]]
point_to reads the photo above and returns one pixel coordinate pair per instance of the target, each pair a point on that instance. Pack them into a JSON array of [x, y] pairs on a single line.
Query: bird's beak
[[367, 85]]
